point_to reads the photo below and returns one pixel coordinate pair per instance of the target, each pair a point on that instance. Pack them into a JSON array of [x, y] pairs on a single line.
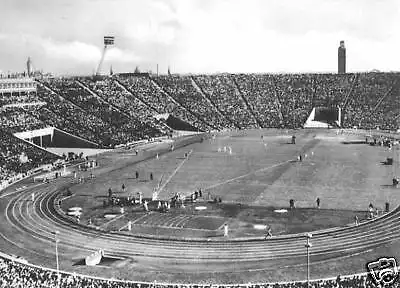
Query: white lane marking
[[245, 175], [173, 173], [20, 190]]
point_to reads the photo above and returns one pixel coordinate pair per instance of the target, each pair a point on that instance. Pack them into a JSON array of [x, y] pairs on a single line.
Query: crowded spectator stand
[[113, 111], [17, 272]]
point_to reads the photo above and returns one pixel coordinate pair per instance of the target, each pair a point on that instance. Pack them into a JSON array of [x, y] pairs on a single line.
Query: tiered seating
[[281, 100], [368, 91], [295, 93], [9, 98], [66, 110], [17, 156], [15, 274], [121, 128], [223, 92], [183, 91], [386, 110], [259, 90], [55, 120], [389, 109], [113, 94], [332, 89], [112, 115], [148, 92], [17, 119], [99, 118]]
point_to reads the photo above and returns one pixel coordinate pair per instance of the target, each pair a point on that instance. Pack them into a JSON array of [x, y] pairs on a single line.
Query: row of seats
[[376, 101], [260, 92], [91, 113], [11, 98], [18, 119], [224, 94], [16, 274], [368, 100], [150, 93], [122, 109], [103, 123], [18, 157], [181, 88], [126, 106]]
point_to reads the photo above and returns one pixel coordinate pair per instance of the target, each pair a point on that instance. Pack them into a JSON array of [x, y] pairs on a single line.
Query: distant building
[[29, 67], [17, 86], [342, 58]]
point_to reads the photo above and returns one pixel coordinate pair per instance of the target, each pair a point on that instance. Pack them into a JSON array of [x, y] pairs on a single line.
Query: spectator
[[16, 274]]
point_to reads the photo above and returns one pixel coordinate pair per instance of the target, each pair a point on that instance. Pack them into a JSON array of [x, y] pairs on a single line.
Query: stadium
[[228, 136], [200, 180]]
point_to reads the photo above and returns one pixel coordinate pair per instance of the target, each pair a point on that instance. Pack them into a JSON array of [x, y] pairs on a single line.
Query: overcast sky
[[200, 36]]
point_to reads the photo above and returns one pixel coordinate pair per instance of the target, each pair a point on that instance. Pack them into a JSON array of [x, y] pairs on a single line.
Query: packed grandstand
[[110, 111], [16, 274]]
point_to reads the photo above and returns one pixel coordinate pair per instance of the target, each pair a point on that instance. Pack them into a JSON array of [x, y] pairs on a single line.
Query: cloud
[[75, 51], [153, 31], [283, 35], [357, 17], [202, 35], [123, 56], [166, 6]]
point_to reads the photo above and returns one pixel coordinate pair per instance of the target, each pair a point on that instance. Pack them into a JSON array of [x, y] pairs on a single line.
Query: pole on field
[[308, 246], [58, 266]]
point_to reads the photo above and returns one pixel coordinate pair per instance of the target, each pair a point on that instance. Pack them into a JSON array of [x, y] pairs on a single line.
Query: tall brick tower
[[341, 58]]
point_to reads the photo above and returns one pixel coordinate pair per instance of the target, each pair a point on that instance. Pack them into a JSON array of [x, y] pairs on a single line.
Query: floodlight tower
[[108, 41]]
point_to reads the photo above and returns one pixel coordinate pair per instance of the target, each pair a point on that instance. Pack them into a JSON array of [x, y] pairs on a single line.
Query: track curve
[[39, 219]]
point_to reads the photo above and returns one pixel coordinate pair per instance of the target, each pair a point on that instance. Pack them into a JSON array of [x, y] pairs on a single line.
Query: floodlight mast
[[101, 60], [108, 41]]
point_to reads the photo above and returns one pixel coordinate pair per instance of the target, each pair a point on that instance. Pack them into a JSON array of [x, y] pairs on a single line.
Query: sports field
[[254, 181], [254, 173]]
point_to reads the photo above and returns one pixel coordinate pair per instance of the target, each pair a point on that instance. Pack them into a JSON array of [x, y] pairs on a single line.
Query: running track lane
[[36, 221]]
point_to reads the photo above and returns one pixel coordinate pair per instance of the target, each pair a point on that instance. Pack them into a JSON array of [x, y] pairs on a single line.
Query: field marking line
[[171, 220], [245, 175], [174, 227], [157, 219], [139, 218], [222, 226], [166, 219], [175, 220], [183, 221], [116, 218], [173, 173]]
